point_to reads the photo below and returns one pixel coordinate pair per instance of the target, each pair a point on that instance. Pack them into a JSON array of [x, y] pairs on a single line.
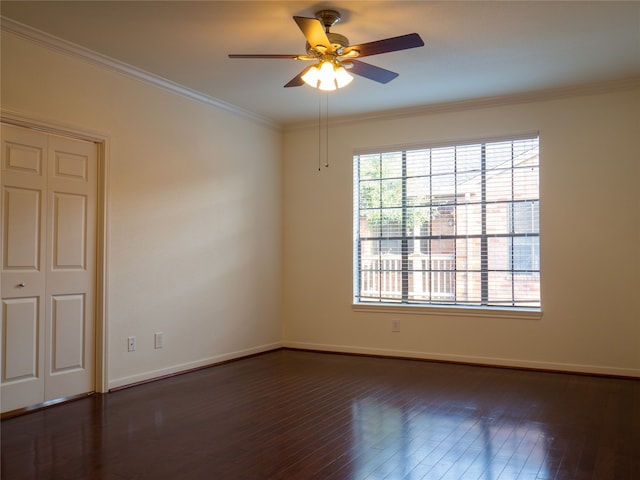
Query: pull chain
[[319, 130], [326, 130], [326, 117]]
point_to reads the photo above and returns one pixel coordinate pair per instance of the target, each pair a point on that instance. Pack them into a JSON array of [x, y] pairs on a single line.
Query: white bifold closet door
[[49, 190]]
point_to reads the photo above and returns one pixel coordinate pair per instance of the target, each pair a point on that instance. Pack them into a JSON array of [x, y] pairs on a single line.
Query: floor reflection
[[419, 443], [53, 445]]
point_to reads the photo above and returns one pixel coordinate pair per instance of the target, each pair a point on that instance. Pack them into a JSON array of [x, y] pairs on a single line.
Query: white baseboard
[[185, 367], [469, 359]]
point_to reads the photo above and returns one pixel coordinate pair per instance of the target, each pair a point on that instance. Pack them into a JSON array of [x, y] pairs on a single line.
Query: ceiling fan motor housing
[[338, 42], [329, 18]]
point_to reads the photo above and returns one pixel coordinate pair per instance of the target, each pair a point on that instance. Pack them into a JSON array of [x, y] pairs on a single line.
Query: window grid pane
[[456, 225]]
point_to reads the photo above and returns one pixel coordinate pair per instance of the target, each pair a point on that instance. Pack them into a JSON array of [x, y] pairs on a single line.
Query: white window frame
[[405, 303]]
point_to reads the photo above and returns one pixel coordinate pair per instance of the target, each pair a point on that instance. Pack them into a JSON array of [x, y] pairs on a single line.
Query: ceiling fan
[[334, 55]]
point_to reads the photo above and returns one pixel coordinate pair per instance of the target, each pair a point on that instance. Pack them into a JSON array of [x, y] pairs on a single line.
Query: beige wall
[[194, 213], [590, 238]]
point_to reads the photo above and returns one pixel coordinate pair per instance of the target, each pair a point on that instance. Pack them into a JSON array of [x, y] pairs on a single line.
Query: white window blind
[[449, 225]]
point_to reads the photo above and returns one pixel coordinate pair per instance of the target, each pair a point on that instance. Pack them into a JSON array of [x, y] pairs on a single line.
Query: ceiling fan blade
[[371, 72], [242, 55], [297, 80], [313, 31], [394, 44]]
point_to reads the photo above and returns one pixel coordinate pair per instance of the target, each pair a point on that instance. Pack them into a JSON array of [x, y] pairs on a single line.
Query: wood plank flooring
[[302, 416]]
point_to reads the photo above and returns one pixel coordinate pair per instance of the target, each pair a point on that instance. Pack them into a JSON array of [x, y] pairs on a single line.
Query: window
[[449, 225]]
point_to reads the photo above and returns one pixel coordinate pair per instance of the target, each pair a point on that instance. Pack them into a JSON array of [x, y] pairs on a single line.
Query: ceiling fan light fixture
[[343, 78], [312, 76], [327, 76]]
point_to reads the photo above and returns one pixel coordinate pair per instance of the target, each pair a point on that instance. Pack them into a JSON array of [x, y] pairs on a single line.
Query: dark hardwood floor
[[303, 415]]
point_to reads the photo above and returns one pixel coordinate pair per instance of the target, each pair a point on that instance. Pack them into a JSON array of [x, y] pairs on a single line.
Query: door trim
[[102, 141]]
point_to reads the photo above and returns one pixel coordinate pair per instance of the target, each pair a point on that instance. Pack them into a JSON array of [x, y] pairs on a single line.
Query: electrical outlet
[[395, 325], [159, 339], [131, 344]]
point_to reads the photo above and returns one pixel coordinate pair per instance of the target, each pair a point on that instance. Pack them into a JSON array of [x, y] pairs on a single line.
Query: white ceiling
[[472, 49]]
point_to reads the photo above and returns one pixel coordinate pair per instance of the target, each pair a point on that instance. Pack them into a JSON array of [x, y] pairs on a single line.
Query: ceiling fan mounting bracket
[[328, 18]]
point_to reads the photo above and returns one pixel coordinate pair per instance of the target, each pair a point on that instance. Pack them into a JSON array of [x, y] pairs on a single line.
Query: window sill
[[436, 310]]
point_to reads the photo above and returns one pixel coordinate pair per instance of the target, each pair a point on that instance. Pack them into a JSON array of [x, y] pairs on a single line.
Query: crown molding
[[617, 85], [74, 50]]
